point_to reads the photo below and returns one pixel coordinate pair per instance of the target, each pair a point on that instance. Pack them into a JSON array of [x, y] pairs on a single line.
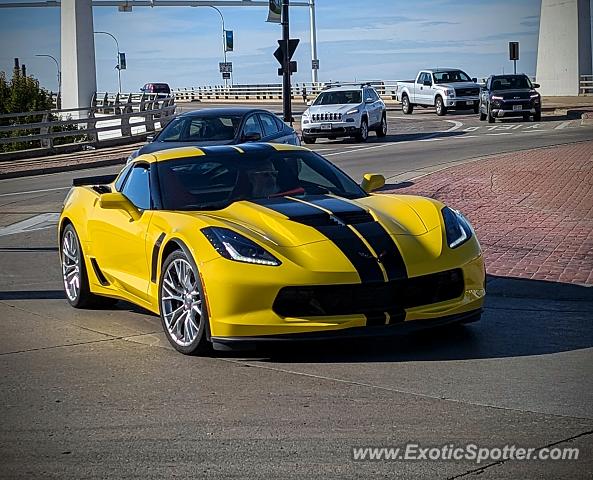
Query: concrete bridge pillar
[[564, 47], [79, 81]]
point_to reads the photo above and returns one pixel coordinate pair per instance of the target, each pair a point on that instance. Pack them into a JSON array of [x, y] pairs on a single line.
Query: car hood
[[341, 108], [157, 146], [290, 223], [458, 85]]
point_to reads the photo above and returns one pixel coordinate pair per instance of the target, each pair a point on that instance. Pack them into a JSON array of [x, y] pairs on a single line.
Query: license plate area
[[326, 126], [517, 107]]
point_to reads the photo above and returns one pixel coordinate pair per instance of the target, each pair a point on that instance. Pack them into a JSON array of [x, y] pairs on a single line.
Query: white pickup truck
[[443, 89]]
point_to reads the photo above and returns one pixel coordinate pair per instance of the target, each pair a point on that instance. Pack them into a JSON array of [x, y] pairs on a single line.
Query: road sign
[[225, 67], [226, 75], [315, 64], [292, 68], [122, 61]]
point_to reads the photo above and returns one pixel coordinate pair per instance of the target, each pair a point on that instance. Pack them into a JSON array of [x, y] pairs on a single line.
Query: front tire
[[537, 116], [309, 140], [183, 312], [407, 107], [439, 106], [382, 130], [491, 118], [363, 135], [476, 108]]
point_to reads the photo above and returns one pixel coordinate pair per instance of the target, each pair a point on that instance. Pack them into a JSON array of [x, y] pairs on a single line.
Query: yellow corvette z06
[[237, 245]]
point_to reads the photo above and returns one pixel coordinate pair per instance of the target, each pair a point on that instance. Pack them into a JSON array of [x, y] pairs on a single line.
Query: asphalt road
[[99, 393]]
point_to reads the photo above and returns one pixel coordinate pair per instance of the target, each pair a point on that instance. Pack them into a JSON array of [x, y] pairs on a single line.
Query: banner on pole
[[275, 11]]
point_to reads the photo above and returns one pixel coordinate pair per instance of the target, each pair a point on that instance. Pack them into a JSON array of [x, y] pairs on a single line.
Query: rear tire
[[309, 140], [182, 306], [526, 117], [407, 107], [439, 106], [382, 129], [74, 274]]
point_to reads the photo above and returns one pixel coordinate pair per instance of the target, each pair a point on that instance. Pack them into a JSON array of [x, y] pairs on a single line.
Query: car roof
[[186, 152], [337, 88], [438, 70], [213, 112]]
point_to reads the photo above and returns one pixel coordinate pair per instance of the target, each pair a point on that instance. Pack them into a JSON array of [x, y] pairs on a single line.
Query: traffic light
[[228, 40]]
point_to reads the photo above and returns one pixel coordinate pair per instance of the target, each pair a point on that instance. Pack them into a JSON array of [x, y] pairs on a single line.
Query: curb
[[63, 168]]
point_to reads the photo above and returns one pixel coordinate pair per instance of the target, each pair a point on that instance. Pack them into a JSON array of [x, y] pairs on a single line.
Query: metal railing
[[586, 85], [109, 119], [306, 91]]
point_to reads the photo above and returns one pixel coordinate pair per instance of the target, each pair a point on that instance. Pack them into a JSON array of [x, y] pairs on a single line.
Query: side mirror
[[150, 138], [372, 181], [117, 201], [427, 83], [368, 100], [251, 137], [309, 103], [475, 79], [536, 85]]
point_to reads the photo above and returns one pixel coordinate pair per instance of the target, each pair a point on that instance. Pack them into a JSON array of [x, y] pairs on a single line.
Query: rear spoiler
[[97, 180]]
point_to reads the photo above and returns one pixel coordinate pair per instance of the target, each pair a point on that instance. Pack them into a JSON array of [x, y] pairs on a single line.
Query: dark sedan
[[510, 96], [220, 126]]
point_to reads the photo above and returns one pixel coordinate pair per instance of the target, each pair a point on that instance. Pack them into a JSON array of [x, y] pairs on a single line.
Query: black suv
[[510, 96]]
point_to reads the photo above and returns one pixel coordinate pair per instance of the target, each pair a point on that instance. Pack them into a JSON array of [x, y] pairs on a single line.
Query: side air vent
[[102, 280]]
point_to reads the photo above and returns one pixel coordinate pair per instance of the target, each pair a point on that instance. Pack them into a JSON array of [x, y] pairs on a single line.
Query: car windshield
[[201, 129], [212, 182], [339, 98], [160, 88], [511, 82], [451, 76]]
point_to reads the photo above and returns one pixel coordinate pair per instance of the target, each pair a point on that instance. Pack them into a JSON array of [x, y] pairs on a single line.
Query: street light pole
[[59, 75], [223, 39], [118, 55]]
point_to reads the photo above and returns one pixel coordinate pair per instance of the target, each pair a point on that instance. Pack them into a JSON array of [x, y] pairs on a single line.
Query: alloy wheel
[[71, 265], [181, 302]]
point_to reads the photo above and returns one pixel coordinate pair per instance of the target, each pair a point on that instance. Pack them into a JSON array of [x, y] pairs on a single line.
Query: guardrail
[[586, 85], [306, 91], [111, 119]]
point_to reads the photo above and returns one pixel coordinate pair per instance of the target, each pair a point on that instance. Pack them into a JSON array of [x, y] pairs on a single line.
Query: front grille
[[369, 299], [320, 117], [467, 92]]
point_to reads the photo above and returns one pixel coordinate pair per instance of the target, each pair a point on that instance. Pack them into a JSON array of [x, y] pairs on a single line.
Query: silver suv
[[345, 111]]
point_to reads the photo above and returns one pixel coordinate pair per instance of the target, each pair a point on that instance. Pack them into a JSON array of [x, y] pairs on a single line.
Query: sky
[[356, 40]]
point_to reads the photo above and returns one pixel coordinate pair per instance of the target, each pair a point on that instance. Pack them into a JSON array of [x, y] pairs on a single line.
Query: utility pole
[[286, 94]]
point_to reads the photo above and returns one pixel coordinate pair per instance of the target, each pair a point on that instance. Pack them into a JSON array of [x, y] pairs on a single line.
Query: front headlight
[[234, 246], [496, 97], [457, 227], [450, 92], [352, 112]]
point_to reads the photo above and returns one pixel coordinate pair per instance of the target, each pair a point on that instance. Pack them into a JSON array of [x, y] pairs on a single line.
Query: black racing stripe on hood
[[345, 239], [385, 248], [373, 232]]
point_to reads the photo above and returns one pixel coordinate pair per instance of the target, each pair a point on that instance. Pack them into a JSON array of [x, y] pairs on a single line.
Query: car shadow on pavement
[[521, 317]]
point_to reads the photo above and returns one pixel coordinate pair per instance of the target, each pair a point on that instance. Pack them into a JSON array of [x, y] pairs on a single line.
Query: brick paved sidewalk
[[532, 210]]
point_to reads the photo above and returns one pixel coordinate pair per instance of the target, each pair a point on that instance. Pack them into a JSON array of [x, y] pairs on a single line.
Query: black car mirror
[[536, 85], [251, 137], [475, 79], [150, 138]]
